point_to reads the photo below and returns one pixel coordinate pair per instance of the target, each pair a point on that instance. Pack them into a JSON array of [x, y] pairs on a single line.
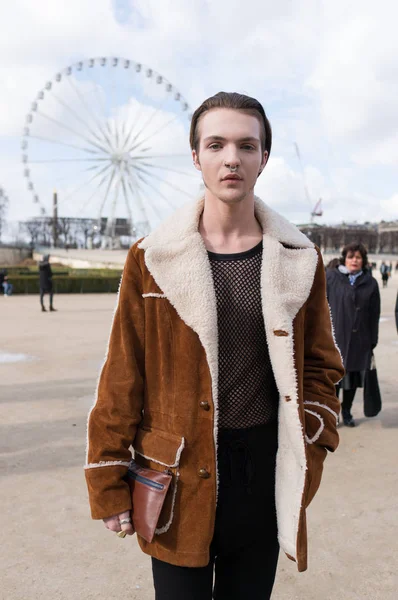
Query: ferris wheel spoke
[[79, 119], [174, 187], [111, 178], [45, 139], [155, 166], [67, 128], [111, 224], [144, 141], [136, 121], [103, 126], [145, 157], [126, 201], [86, 183], [95, 192], [60, 160], [76, 177], [135, 188], [88, 110], [149, 120], [138, 193], [141, 176]]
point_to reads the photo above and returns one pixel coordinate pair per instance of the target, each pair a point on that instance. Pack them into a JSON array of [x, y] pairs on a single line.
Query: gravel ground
[[50, 548]]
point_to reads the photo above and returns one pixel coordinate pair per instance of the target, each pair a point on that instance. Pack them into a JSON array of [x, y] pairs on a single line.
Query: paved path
[[51, 549]]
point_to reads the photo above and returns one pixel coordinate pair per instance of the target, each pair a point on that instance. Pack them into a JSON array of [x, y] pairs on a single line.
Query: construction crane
[[316, 211]]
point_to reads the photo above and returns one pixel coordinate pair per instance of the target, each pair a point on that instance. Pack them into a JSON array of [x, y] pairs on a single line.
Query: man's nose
[[232, 160]]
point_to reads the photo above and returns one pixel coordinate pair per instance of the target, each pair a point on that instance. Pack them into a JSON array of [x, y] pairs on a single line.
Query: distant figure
[[396, 313], [46, 282], [332, 264], [390, 269], [7, 286], [384, 274], [396, 266], [3, 274], [354, 300]]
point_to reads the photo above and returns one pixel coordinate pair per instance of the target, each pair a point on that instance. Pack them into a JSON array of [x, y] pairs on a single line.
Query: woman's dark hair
[[351, 249], [234, 101], [332, 264]]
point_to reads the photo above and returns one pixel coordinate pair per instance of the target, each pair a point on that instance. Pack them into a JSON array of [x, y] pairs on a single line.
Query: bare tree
[[64, 228], [3, 209], [84, 227], [34, 228]]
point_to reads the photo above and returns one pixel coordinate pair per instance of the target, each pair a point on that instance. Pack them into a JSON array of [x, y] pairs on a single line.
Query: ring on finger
[[125, 521], [121, 534]]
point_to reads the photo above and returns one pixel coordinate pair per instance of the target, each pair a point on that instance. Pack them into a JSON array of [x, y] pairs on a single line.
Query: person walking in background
[[354, 300], [384, 273], [332, 264], [396, 312], [46, 282]]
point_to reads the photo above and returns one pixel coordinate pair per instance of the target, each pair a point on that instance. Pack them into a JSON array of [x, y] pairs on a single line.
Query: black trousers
[[244, 551], [51, 294]]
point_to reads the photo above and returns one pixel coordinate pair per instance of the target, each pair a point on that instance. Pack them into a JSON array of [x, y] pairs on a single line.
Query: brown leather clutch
[[148, 492]]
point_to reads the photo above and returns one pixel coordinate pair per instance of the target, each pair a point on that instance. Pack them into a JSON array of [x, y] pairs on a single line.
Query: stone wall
[[10, 255]]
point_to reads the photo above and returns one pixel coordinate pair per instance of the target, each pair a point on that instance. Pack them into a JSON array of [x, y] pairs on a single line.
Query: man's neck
[[229, 228]]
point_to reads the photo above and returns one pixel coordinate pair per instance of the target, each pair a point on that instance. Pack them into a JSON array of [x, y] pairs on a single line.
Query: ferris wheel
[[111, 136]]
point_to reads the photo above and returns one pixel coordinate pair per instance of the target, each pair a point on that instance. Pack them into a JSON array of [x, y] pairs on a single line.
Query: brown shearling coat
[[157, 390]]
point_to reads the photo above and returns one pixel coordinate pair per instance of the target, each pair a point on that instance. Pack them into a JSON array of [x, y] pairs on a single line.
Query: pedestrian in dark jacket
[[396, 313], [354, 300], [46, 282]]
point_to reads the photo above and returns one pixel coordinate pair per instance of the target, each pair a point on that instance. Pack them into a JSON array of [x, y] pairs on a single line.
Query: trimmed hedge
[[34, 272], [70, 284]]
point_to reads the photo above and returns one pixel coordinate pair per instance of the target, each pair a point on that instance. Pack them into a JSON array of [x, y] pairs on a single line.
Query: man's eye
[[248, 147], [214, 146]]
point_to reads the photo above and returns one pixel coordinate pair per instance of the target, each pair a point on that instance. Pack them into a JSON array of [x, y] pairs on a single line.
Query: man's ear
[[265, 159], [195, 159]]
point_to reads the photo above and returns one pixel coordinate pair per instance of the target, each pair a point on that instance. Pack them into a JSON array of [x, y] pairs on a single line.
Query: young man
[[221, 367]]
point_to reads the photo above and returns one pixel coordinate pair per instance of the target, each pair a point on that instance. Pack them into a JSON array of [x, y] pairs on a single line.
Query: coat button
[[205, 405], [204, 473]]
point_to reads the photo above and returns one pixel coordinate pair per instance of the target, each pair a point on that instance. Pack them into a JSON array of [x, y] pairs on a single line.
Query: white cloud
[[326, 73]]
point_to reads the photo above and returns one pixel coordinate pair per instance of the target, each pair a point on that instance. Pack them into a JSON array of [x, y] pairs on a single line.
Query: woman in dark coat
[[354, 300], [46, 282]]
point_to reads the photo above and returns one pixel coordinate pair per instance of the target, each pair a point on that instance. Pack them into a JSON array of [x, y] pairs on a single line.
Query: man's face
[[229, 139]]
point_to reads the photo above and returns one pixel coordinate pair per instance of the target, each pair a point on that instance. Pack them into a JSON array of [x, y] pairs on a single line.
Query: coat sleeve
[[113, 420], [374, 314], [323, 368]]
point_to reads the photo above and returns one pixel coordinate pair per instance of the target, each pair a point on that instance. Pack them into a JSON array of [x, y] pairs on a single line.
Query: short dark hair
[[234, 101], [351, 249]]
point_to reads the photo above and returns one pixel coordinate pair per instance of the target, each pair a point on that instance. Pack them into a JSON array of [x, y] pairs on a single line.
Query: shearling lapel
[[177, 258], [286, 280]]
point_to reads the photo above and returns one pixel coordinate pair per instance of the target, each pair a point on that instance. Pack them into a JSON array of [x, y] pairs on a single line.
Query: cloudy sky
[[326, 73]]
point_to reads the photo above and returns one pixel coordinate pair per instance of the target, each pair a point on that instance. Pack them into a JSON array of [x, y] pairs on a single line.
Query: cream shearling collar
[[185, 222]]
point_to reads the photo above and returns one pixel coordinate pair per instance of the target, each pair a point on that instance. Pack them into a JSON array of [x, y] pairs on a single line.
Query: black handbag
[[371, 393]]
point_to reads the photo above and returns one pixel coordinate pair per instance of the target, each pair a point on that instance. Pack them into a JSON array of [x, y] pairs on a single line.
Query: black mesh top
[[247, 390]]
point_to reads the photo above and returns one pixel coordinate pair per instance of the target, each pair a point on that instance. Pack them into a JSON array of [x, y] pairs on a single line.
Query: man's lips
[[231, 177]]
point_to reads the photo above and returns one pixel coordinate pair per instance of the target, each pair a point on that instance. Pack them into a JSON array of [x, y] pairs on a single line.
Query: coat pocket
[[161, 451]]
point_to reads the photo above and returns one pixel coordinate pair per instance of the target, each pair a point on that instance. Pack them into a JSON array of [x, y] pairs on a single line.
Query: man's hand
[[113, 523]]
